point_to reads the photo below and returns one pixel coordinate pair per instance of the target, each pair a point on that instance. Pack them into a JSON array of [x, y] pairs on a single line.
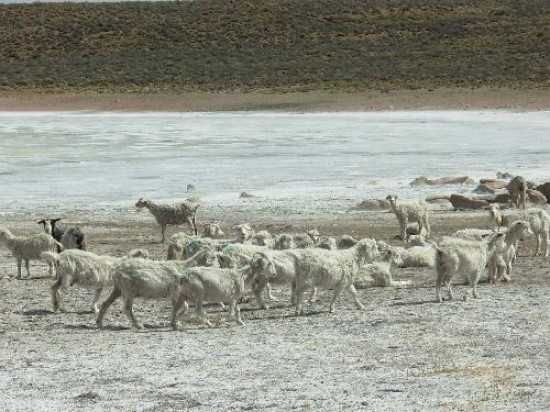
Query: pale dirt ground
[[422, 99], [403, 353]]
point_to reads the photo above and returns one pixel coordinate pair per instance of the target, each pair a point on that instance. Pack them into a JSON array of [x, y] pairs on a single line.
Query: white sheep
[[27, 248], [148, 279], [538, 219], [331, 269], [500, 263], [213, 285], [413, 211], [184, 212], [467, 257]]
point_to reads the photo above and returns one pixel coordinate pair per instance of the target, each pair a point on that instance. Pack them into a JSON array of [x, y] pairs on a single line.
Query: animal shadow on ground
[[35, 312]]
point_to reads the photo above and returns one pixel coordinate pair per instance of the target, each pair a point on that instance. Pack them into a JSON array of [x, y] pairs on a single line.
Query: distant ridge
[[279, 45]]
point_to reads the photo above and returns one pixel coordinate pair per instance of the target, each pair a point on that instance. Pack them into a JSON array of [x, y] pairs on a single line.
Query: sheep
[[28, 248], [331, 270], [184, 212], [212, 285], [212, 230], [147, 279], [500, 263], [414, 211], [468, 257], [539, 222], [70, 238], [518, 191]]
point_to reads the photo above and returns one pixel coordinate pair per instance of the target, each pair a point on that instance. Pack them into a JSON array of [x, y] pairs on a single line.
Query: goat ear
[[56, 220], [41, 222]]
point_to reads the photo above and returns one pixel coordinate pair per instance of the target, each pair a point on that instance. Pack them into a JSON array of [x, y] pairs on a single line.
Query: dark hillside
[[275, 44]]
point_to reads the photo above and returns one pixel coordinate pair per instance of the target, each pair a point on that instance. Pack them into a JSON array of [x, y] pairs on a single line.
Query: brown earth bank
[[404, 352], [422, 99]]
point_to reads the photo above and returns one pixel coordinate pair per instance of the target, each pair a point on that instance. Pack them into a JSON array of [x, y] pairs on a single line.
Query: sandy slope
[[444, 99], [403, 353]]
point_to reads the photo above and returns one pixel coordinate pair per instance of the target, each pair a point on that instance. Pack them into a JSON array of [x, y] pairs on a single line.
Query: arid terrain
[[403, 353]]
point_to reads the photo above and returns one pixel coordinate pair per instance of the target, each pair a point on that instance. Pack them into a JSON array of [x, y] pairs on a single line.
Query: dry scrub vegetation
[[277, 45]]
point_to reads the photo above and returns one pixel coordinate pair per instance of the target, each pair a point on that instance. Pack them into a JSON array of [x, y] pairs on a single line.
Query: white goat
[[243, 233], [85, 269], [346, 241], [473, 234], [467, 257], [298, 240], [331, 269], [212, 230], [27, 248], [148, 279], [538, 219], [262, 238], [413, 211], [284, 241], [78, 267], [376, 274], [327, 242], [213, 285], [177, 214], [176, 245], [500, 263], [413, 257]]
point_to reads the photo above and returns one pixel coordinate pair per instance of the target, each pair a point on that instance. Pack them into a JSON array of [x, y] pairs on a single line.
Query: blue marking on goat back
[[230, 249], [194, 246]]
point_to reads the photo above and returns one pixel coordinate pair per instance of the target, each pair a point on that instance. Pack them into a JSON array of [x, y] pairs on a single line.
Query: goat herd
[[204, 268]]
